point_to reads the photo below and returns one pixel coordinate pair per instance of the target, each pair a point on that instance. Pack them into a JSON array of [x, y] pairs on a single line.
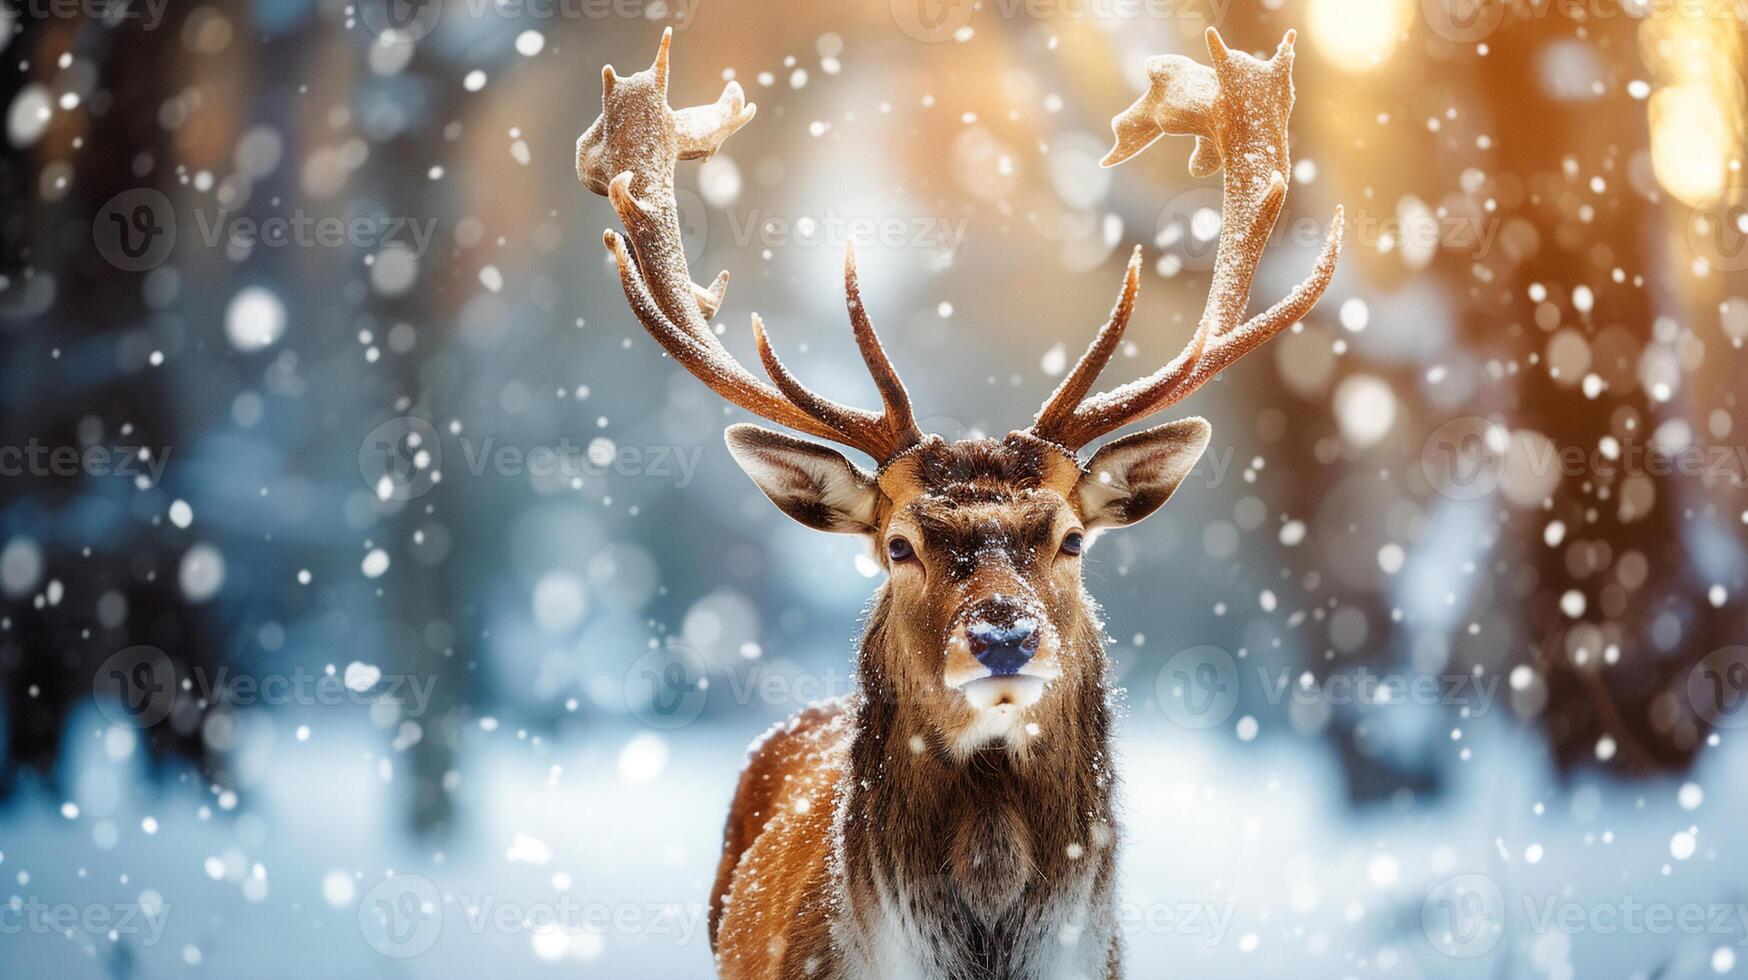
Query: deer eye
[[899, 549], [1072, 544]]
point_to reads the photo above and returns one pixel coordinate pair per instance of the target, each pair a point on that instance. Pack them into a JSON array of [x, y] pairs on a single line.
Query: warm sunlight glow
[[1357, 35], [1697, 118], [1690, 142]]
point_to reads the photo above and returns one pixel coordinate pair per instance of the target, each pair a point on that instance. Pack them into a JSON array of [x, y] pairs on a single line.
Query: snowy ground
[[593, 858]]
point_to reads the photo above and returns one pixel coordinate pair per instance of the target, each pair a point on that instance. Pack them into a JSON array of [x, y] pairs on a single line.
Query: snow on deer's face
[[983, 633], [986, 623]]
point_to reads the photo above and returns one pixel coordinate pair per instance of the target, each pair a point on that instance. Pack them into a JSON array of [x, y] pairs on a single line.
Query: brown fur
[[768, 906], [855, 801]]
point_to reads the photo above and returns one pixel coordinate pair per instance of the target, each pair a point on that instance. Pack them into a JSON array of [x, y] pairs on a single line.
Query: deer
[[954, 816]]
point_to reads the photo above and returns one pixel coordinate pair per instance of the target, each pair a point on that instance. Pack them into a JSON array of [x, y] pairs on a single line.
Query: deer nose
[[1004, 650]]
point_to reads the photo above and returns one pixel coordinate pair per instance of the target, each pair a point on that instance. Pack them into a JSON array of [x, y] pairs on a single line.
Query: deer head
[[983, 633]]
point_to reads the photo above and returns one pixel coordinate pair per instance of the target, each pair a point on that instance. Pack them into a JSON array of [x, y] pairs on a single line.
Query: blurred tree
[[110, 578], [1616, 609]]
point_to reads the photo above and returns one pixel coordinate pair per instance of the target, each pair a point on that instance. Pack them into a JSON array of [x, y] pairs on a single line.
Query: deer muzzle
[[1001, 654]]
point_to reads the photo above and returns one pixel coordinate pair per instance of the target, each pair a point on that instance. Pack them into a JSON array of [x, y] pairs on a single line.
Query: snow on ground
[[594, 857]]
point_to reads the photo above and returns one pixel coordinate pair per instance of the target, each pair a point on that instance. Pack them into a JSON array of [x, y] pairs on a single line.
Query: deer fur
[[867, 838]]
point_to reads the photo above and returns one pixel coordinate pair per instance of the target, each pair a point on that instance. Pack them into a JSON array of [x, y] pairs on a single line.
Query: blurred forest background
[[349, 525]]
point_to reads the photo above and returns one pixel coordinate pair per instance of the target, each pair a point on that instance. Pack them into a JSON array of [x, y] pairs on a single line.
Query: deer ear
[[814, 485], [1130, 478]]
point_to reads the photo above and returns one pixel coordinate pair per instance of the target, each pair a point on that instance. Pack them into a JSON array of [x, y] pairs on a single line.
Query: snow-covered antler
[[628, 154], [1237, 111]]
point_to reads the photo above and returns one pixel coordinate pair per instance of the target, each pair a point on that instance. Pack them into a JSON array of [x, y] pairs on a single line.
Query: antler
[[1237, 111], [628, 154]]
